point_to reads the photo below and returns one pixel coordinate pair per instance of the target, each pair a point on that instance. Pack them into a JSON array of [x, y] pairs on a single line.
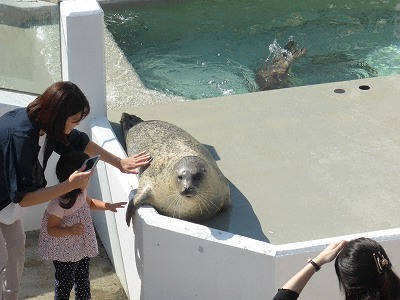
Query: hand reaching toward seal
[[129, 165], [132, 164]]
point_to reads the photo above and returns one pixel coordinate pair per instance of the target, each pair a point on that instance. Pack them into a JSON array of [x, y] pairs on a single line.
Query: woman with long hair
[[363, 269], [52, 116]]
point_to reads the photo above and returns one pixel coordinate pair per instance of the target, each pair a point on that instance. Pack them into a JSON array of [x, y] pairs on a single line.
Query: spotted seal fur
[[183, 180]]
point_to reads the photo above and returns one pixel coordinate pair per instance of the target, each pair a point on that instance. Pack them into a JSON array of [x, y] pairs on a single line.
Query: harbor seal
[[275, 76], [183, 180]]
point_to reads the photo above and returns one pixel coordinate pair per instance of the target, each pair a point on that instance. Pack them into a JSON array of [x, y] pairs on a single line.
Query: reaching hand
[[113, 206], [131, 164]]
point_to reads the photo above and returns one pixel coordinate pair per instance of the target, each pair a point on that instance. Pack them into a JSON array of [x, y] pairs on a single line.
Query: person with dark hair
[[363, 269], [67, 236], [51, 118]]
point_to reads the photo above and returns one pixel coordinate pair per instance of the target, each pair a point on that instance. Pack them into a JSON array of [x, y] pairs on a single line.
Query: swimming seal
[[183, 180], [276, 75]]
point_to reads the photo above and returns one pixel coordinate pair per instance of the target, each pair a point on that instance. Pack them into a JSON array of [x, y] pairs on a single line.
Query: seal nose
[[188, 191]]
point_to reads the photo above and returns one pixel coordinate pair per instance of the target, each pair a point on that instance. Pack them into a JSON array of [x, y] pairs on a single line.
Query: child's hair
[[67, 164]]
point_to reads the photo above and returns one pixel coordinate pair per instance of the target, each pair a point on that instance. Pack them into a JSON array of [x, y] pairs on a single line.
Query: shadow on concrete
[[239, 219]]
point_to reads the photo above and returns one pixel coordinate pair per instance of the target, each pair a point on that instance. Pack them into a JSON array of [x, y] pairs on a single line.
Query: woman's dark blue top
[[284, 294], [21, 171]]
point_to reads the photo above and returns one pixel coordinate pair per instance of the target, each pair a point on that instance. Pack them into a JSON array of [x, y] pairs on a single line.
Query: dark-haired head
[[67, 164], [50, 110], [365, 272]]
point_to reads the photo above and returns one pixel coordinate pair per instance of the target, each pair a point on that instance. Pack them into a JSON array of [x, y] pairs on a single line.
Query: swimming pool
[[29, 45], [199, 49]]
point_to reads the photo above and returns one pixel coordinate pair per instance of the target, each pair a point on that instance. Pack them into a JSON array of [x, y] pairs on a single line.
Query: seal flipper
[[128, 121], [291, 47], [140, 198]]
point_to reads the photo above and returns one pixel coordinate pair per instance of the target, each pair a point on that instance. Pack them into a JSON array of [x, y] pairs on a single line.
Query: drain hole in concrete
[[364, 87], [339, 91]]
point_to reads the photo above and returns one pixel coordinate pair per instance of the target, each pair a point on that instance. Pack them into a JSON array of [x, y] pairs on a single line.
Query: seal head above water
[[183, 181]]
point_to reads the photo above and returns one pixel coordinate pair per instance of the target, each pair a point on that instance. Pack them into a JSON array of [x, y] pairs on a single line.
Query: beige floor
[[38, 276]]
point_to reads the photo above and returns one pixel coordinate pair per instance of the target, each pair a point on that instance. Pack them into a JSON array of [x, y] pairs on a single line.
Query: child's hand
[[113, 206], [77, 229]]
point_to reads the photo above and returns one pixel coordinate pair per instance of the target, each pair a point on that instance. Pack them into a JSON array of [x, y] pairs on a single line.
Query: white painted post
[[82, 52]]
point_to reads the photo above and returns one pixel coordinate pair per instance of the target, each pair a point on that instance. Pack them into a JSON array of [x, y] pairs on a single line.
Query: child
[[67, 235]]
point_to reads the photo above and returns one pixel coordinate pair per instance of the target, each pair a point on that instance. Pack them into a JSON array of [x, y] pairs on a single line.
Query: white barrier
[[166, 258]]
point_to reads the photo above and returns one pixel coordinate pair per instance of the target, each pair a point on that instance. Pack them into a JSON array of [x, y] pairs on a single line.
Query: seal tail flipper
[[289, 46], [299, 53], [140, 198], [128, 121], [296, 53]]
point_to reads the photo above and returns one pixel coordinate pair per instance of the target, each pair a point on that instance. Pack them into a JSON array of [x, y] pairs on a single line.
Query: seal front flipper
[[140, 198]]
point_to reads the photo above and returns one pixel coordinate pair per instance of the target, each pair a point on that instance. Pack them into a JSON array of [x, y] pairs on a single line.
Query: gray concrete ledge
[[304, 163]]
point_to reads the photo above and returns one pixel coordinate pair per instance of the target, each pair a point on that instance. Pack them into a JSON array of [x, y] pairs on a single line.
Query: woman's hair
[[365, 272], [67, 164], [50, 110]]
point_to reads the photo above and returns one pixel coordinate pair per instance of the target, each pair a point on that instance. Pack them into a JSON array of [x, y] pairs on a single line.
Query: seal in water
[[275, 76], [183, 180]]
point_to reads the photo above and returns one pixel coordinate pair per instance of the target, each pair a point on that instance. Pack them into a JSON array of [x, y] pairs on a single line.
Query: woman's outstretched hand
[[132, 164]]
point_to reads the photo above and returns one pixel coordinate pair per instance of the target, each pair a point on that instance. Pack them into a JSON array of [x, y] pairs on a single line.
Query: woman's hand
[[329, 253], [132, 164], [79, 179]]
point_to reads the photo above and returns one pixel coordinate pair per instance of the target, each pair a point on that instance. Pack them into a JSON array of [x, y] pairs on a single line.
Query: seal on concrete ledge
[[183, 180], [276, 75]]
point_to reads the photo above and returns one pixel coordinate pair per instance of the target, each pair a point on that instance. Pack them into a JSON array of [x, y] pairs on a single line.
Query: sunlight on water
[[29, 57], [199, 49]]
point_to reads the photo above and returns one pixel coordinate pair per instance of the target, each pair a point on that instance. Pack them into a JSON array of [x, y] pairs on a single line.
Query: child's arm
[[54, 229], [95, 204]]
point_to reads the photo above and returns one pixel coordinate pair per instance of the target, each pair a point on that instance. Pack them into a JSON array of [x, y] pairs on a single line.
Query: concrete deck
[[304, 163]]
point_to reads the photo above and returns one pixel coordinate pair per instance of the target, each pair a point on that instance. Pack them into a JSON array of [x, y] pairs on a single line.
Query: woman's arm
[[125, 165], [76, 180], [299, 281], [54, 229], [95, 204]]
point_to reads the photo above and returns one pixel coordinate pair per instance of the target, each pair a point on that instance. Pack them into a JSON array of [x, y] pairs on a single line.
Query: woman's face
[[71, 122]]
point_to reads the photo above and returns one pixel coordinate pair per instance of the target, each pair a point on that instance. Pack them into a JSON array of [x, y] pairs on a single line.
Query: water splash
[[276, 50]]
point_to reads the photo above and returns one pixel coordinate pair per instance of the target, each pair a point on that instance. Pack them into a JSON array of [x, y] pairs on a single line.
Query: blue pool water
[[199, 49]]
